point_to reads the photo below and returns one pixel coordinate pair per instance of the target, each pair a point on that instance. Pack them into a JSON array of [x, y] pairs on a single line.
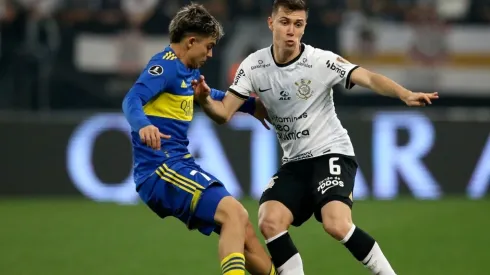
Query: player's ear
[[191, 41], [269, 23]]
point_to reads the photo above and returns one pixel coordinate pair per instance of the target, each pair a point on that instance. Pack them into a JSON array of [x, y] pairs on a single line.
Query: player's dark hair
[[290, 5], [194, 19]]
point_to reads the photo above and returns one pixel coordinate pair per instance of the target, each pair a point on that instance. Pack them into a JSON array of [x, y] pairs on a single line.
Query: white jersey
[[299, 99]]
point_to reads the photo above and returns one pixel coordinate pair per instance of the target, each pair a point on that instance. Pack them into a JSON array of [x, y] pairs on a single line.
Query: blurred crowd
[[39, 34]]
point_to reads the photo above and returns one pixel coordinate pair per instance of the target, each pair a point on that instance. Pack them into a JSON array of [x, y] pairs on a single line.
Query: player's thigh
[[286, 198], [333, 179]]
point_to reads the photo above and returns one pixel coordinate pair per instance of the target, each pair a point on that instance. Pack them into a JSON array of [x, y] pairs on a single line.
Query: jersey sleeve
[[156, 76], [242, 84], [337, 70], [152, 81]]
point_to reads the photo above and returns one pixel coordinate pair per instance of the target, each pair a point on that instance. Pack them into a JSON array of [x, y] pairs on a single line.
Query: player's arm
[[237, 98], [132, 106], [248, 105], [220, 111], [342, 71], [150, 84], [387, 87]]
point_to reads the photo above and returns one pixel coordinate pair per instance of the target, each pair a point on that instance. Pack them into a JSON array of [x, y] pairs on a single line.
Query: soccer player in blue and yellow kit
[[159, 108]]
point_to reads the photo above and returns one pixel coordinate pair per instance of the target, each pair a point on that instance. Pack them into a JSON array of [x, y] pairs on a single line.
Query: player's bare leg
[[274, 221], [233, 219], [337, 221], [258, 261]]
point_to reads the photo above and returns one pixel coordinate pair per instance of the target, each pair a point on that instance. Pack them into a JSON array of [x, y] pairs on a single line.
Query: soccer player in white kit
[[294, 82]]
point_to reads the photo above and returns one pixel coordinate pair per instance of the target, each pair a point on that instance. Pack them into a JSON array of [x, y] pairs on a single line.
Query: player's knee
[[235, 213], [274, 220], [336, 222]]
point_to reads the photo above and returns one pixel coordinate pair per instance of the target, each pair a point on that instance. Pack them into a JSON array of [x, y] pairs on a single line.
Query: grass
[[82, 237]]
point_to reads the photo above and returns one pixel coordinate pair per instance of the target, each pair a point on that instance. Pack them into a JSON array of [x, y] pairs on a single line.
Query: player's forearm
[[247, 107], [387, 87], [215, 110], [133, 111]]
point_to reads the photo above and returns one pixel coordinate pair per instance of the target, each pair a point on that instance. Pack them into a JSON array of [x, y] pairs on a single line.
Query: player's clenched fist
[[151, 136]]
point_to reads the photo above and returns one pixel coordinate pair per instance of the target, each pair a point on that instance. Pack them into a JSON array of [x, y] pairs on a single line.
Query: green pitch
[[80, 237]]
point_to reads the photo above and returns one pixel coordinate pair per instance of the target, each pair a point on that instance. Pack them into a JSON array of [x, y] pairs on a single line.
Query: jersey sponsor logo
[[306, 155], [292, 135], [278, 119], [260, 65], [336, 68], [186, 106], [155, 70], [304, 63], [240, 73], [304, 90], [167, 105], [284, 95], [328, 183], [264, 90]]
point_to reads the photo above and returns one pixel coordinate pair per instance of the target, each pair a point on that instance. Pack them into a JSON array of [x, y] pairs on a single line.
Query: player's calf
[[274, 221], [337, 221], [233, 219], [257, 260]]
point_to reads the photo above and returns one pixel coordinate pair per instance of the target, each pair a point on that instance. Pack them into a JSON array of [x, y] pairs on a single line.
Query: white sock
[[377, 262], [282, 244], [293, 266]]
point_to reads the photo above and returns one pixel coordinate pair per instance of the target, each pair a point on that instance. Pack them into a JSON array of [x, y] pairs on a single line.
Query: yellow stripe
[[237, 269], [195, 199], [165, 167], [179, 181], [175, 183], [235, 262], [179, 107], [232, 255], [273, 270]]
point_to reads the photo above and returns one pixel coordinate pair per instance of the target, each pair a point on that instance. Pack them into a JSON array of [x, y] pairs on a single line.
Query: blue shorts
[[185, 191]]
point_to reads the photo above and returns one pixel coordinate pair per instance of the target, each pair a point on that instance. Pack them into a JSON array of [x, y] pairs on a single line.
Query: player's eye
[[299, 25], [284, 23]]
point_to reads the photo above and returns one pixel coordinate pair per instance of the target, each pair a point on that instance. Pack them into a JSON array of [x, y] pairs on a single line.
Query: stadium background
[[66, 196]]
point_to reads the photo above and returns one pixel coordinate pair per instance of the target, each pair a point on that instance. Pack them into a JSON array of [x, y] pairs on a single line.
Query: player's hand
[[420, 99], [151, 136], [261, 113], [201, 89]]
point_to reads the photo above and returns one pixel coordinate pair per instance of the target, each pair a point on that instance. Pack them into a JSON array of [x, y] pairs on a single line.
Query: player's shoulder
[[317, 53], [163, 63], [259, 56], [324, 56]]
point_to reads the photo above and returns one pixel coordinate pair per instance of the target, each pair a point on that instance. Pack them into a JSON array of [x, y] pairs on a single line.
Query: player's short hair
[[291, 5], [194, 19]]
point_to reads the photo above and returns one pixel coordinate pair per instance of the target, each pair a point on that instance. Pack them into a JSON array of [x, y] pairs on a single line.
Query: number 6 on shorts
[[334, 168]]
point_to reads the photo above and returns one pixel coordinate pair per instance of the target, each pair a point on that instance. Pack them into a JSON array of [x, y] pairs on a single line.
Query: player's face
[[287, 27], [200, 49]]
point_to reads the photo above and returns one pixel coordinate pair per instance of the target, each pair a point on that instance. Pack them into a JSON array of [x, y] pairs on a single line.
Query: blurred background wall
[[65, 66]]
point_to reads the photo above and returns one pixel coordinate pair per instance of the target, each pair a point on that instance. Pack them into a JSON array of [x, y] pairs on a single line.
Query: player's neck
[[285, 56], [181, 53]]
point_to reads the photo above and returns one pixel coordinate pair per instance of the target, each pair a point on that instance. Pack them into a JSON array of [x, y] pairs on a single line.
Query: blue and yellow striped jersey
[[163, 96]]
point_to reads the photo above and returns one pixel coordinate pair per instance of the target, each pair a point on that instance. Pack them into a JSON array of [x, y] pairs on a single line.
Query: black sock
[[282, 249], [359, 243]]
